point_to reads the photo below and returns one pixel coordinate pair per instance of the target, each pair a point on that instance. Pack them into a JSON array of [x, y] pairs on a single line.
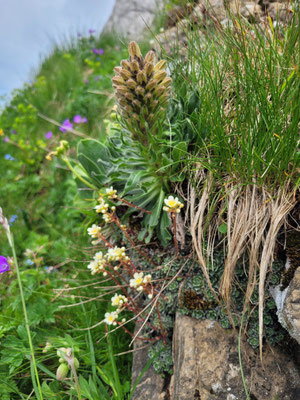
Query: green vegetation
[[218, 130]]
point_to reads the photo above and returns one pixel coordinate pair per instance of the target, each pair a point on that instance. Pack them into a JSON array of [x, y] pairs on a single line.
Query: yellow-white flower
[[137, 281], [102, 207], [172, 204], [111, 193], [94, 231], [118, 300], [98, 264], [147, 279], [116, 254], [107, 218], [110, 318]]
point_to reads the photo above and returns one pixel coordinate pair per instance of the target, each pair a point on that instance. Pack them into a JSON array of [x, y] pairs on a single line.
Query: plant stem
[[11, 242], [87, 183], [175, 233]]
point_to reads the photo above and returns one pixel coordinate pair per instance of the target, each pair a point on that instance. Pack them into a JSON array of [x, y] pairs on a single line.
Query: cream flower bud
[[134, 50]]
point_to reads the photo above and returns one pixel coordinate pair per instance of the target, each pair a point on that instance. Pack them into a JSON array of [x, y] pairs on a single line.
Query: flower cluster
[[139, 280], [172, 205], [94, 231], [98, 264], [110, 318], [66, 126], [118, 300], [111, 193], [102, 207], [116, 254]]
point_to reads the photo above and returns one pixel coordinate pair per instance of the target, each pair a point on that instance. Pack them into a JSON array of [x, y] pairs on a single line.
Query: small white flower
[[94, 231], [98, 264], [172, 204], [150, 296], [93, 266], [110, 318], [116, 254], [107, 218], [137, 281], [147, 279], [102, 207], [118, 300], [111, 193]]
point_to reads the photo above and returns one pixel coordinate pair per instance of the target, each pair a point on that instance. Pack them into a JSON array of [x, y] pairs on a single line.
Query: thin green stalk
[[114, 368], [33, 362], [87, 183]]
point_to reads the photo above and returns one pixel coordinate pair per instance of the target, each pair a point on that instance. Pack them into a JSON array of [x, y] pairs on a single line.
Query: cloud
[[28, 29]]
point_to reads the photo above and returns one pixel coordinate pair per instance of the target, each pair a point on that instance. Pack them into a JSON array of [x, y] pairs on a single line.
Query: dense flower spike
[[141, 88], [172, 205]]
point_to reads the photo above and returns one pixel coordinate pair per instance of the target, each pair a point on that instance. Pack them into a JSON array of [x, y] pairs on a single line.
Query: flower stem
[[87, 183], [11, 242]]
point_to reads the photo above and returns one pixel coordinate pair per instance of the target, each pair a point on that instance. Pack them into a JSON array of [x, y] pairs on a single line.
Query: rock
[[291, 307], [130, 18], [151, 386], [206, 366], [280, 11]]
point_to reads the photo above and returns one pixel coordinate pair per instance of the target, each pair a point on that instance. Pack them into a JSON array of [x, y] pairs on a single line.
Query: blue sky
[[28, 29]]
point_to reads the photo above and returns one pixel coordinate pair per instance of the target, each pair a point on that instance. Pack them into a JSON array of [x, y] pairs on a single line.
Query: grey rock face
[[291, 307], [130, 18], [151, 386], [206, 366]]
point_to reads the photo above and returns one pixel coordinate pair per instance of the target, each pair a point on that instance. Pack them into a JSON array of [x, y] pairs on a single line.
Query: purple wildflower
[[48, 135], [86, 81], [66, 126], [98, 51], [9, 157], [79, 35], [91, 31], [6, 139], [96, 78], [4, 266], [78, 119], [12, 219], [14, 132]]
